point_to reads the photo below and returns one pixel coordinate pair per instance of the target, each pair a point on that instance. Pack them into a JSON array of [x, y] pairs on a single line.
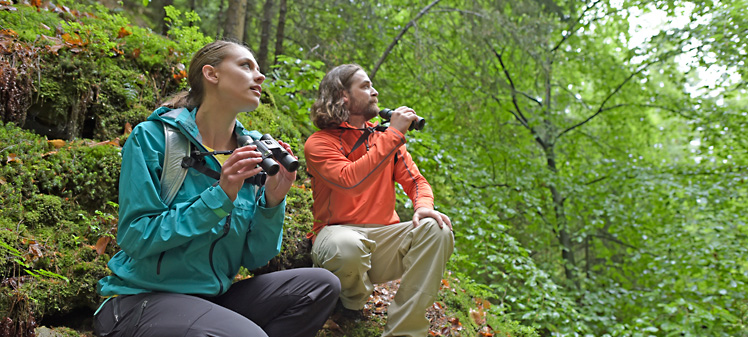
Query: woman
[[173, 276]]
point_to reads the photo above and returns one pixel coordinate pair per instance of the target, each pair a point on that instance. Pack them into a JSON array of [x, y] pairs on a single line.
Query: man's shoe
[[347, 314]]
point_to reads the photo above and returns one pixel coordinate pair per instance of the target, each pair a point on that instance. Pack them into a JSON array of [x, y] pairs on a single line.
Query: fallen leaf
[[101, 244], [122, 33], [57, 143], [330, 324], [12, 157], [486, 331], [478, 316], [35, 251]]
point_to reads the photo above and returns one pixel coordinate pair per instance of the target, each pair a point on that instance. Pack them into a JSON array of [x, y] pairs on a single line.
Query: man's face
[[361, 98]]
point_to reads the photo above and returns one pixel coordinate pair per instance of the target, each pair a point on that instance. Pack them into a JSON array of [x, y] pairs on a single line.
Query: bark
[[249, 15], [220, 15], [267, 19], [233, 27], [279, 34]]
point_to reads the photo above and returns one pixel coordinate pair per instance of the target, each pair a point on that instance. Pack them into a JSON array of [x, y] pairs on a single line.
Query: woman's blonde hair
[[211, 54], [328, 110]]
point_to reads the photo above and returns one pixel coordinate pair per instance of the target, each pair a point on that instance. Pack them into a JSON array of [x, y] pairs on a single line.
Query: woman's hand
[[242, 164], [425, 212], [277, 186]]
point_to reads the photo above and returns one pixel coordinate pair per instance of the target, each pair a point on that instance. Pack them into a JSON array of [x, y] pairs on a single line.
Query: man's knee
[[431, 227], [339, 251]]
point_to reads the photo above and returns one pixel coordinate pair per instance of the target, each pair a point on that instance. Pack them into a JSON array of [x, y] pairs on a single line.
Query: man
[[357, 233]]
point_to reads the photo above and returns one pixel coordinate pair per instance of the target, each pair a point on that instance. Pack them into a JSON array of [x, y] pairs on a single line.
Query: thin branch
[[512, 86], [612, 239], [399, 36], [573, 24], [601, 109]]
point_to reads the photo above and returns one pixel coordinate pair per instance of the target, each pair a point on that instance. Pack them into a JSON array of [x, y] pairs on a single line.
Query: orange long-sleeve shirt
[[358, 187]]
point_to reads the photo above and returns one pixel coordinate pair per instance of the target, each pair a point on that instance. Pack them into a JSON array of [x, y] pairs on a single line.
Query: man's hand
[[277, 186], [401, 118], [425, 212]]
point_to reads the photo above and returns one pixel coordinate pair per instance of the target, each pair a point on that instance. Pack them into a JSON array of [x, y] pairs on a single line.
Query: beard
[[368, 108]]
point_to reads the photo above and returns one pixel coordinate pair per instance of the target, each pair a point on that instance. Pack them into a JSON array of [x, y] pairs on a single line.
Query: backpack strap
[[176, 147], [364, 136]]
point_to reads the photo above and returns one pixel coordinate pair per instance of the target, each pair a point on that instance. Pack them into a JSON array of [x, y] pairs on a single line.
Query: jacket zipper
[[226, 227]]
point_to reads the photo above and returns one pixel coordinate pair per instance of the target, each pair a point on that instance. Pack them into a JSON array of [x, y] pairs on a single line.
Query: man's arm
[[325, 161], [418, 190]]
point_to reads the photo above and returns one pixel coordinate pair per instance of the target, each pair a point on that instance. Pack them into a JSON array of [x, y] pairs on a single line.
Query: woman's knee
[[325, 279]]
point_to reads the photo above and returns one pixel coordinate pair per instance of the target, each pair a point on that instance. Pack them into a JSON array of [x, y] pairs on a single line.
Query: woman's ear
[[210, 73], [345, 96]]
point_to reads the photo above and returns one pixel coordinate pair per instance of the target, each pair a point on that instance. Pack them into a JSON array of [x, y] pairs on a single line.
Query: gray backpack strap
[[176, 147]]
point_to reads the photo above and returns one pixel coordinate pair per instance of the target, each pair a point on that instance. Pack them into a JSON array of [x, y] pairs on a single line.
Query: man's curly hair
[[328, 111]]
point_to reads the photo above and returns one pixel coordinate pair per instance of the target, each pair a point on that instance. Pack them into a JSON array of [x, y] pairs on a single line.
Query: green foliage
[[468, 302], [44, 234], [294, 83], [185, 32]]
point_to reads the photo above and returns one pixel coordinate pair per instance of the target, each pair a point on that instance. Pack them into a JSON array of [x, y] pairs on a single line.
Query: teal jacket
[[197, 244]]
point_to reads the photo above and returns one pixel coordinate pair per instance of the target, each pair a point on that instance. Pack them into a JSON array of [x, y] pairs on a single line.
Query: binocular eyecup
[[272, 154], [417, 124]]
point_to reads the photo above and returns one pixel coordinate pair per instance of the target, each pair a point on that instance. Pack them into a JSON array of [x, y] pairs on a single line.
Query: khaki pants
[[364, 254]]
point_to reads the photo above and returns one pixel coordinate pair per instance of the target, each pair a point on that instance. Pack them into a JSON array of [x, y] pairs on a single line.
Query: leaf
[[123, 32], [35, 251], [478, 316], [486, 331], [57, 143], [12, 157], [331, 325], [102, 243]]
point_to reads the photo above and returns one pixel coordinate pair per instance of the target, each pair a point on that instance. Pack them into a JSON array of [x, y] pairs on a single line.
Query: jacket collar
[[184, 120]]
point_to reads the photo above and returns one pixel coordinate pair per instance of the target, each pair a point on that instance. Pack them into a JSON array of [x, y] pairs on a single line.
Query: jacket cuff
[[423, 204], [272, 211], [217, 200], [398, 133]]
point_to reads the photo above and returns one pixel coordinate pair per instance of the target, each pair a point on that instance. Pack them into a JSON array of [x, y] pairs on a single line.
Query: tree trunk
[[249, 34], [161, 14], [220, 15], [233, 27], [279, 33], [262, 54], [193, 6], [564, 238]]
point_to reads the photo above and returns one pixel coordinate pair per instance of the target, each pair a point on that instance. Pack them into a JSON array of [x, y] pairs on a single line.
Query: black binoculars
[[417, 124], [272, 154]]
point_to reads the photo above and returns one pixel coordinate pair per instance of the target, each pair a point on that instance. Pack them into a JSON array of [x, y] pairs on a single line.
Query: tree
[[233, 27]]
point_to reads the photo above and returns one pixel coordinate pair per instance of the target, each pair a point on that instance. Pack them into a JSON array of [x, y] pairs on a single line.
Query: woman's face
[[239, 79]]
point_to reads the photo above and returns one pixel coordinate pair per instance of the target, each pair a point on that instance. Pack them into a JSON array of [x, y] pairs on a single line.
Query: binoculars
[[417, 124], [272, 154]]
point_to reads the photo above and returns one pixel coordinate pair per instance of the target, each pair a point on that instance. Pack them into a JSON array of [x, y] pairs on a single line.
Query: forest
[[588, 152]]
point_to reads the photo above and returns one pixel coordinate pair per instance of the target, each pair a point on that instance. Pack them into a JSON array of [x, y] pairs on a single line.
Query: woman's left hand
[[277, 186]]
